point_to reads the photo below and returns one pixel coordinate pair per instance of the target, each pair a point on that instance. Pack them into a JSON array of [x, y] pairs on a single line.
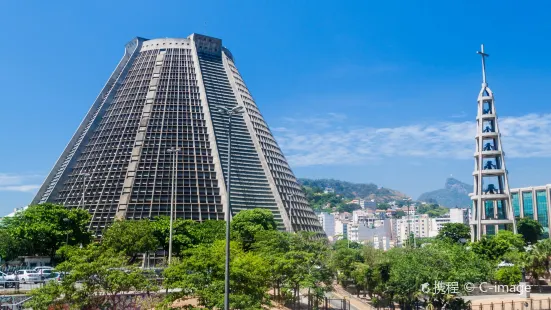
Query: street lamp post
[[84, 187], [174, 151], [407, 200], [66, 220], [230, 113]]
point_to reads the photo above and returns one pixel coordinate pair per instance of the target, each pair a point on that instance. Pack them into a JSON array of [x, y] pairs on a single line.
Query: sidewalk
[[487, 299], [355, 302]]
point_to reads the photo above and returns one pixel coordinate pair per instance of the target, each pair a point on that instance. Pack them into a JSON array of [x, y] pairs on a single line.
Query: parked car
[[5, 280], [25, 276], [54, 276], [43, 269]]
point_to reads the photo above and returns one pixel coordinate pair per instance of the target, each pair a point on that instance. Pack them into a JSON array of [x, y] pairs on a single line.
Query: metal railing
[[18, 287], [13, 302], [531, 304]]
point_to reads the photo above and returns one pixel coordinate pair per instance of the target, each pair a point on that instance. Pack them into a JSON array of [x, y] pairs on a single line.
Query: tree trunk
[[278, 290], [297, 298]]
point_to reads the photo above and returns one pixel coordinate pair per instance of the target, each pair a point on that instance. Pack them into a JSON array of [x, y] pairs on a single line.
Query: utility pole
[[230, 114], [407, 200]]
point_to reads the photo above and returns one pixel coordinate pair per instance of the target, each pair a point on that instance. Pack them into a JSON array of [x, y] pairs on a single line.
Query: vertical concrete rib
[[140, 137]]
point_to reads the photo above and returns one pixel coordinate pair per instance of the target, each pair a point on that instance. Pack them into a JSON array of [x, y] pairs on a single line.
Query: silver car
[[6, 281], [25, 276]]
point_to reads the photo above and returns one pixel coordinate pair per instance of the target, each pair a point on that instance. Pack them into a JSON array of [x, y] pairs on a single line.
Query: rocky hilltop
[[455, 194]]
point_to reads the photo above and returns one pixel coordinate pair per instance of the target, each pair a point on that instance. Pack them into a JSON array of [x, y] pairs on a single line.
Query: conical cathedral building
[[157, 133], [491, 200]]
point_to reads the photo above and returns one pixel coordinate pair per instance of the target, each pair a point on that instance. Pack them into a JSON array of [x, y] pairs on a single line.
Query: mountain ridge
[[455, 194], [352, 190]]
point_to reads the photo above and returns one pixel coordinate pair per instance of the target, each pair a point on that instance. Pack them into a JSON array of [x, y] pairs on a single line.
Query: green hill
[[455, 194], [351, 191]]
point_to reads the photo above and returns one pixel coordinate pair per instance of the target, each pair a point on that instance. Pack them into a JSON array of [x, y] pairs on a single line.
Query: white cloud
[[6, 179], [20, 188], [459, 115], [525, 136], [18, 183], [319, 121]]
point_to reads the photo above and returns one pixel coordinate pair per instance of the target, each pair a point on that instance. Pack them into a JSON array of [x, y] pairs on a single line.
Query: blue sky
[[365, 91]]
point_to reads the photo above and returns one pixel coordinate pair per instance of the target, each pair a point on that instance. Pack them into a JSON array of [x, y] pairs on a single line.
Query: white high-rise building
[[341, 229], [436, 225], [419, 225], [367, 218], [458, 215], [327, 221]]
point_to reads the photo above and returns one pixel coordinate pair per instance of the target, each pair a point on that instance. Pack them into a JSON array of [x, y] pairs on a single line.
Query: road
[[337, 301], [22, 287]]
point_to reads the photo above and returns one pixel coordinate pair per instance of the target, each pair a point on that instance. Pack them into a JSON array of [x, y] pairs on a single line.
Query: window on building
[[527, 203], [489, 209], [541, 204], [516, 204]]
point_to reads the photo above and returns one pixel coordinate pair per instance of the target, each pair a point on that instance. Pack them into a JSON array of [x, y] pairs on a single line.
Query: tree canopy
[[42, 229], [131, 238], [454, 232], [530, 229], [246, 224]]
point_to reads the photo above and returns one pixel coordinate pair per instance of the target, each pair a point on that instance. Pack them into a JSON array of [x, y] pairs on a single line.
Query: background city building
[[533, 202], [169, 93], [327, 221], [459, 215]]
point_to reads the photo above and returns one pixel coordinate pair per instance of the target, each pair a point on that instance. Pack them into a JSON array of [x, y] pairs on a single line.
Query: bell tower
[[491, 210]]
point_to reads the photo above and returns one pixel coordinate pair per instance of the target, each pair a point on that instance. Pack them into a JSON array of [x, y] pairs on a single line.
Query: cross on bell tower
[[491, 209], [484, 55]]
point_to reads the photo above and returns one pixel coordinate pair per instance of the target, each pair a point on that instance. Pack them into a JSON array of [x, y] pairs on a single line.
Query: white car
[[6, 281], [25, 276], [44, 270]]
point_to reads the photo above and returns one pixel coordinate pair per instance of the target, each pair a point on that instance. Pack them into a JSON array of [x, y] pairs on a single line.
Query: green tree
[[272, 246], [491, 249], [383, 206], [201, 274], [10, 247], [508, 275], [360, 275], [247, 223], [454, 232], [102, 276], [432, 210], [514, 241], [344, 260], [530, 229], [207, 232], [425, 240], [131, 237], [312, 270], [399, 214], [183, 237], [348, 207], [42, 229], [446, 262], [344, 243]]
